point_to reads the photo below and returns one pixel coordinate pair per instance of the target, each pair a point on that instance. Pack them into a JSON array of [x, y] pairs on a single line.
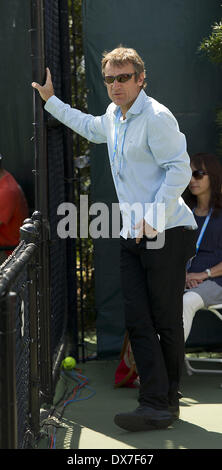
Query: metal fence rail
[[19, 339], [26, 380], [53, 183], [38, 281]]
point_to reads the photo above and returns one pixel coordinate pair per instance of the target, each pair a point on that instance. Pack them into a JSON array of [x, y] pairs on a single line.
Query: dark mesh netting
[[22, 356], [22, 347], [34, 297], [56, 179]]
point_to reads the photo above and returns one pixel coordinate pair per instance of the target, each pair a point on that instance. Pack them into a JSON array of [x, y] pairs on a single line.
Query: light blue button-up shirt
[[148, 158]]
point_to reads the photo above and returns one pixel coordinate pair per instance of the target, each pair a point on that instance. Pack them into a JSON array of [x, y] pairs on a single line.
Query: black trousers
[[153, 284]]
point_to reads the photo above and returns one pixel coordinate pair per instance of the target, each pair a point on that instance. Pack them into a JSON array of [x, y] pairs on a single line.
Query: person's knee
[[191, 303]]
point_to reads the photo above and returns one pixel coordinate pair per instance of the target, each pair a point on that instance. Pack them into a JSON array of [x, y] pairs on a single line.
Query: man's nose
[[116, 84]]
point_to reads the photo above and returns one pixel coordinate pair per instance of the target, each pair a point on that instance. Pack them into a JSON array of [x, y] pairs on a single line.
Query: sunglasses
[[121, 78], [198, 174]]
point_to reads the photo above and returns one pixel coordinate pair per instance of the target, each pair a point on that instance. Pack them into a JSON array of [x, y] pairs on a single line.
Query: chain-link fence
[[27, 339], [38, 281], [20, 339]]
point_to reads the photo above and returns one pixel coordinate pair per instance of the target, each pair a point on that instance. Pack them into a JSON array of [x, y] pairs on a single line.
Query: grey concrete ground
[[88, 423]]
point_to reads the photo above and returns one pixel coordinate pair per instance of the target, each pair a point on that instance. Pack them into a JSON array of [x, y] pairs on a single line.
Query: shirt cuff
[[155, 216], [52, 104]]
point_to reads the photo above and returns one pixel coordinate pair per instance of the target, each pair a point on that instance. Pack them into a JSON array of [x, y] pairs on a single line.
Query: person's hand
[[193, 279], [47, 90], [144, 229]]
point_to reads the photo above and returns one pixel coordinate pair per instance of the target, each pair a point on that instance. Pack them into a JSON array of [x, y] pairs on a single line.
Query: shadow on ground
[[88, 423]]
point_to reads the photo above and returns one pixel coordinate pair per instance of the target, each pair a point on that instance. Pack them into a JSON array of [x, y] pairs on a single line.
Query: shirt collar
[[137, 106]]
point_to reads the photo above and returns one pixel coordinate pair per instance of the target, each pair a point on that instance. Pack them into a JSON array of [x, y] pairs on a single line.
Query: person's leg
[[206, 293], [165, 272], [192, 302], [159, 286], [153, 396], [142, 334]]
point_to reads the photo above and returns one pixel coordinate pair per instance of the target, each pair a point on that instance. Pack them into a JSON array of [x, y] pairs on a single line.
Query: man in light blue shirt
[[150, 168]]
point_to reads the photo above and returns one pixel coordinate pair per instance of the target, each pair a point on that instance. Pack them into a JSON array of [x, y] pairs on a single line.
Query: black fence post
[[45, 319], [8, 421], [42, 196], [30, 234], [34, 356], [69, 175]]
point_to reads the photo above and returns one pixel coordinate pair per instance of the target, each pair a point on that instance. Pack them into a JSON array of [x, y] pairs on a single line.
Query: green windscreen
[[16, 120], [167, 35]]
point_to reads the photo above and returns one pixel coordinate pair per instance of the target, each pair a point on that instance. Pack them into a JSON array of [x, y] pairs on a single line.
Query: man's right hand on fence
[[47, 90]]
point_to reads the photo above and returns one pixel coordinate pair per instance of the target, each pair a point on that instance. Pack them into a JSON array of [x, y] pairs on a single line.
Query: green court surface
[[86, 421]]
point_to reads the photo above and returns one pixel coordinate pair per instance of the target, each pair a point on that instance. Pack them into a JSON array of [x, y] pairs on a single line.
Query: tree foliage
[[212, 47], [81, 147]]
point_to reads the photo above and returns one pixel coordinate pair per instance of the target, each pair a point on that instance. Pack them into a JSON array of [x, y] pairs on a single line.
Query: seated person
[[13, 211], [204, 275]]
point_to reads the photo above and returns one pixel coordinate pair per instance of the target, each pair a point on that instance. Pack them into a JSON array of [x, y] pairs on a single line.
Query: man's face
[[123, 94]]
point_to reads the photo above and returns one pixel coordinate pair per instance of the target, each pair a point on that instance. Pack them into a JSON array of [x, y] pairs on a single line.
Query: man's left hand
[[144, 229]]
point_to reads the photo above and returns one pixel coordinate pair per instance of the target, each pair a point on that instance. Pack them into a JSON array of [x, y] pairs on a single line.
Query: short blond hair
[[124, 55]]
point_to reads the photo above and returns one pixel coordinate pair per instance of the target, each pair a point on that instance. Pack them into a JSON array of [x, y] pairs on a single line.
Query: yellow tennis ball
[[69, 363]]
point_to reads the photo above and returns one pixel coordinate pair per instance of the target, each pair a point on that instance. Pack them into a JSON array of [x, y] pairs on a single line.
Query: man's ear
[[141, 79]]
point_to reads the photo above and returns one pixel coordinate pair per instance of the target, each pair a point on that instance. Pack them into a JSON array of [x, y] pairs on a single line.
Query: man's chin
[[118, 100]]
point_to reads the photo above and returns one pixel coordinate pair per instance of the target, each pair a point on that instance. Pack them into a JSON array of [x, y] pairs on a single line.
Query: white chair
[[191, 370]]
